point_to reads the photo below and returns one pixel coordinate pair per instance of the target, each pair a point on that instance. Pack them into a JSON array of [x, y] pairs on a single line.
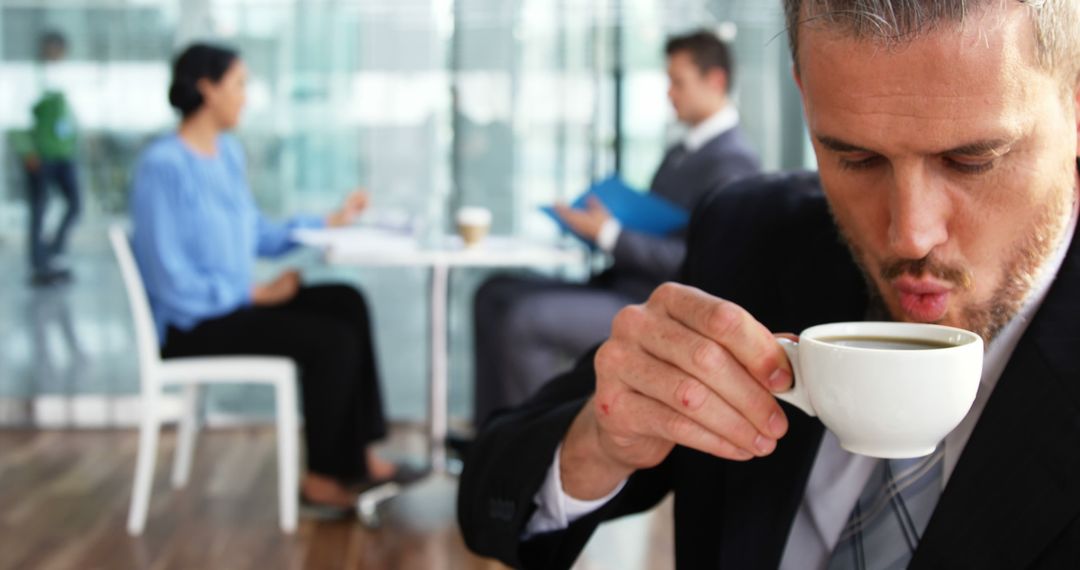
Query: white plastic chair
[[189, 373]]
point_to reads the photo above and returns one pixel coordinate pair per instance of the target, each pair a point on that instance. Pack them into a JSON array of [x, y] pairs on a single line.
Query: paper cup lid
[[471, 215]]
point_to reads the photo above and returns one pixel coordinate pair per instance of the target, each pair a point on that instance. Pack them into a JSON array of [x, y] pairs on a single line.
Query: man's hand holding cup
[[684, 368]]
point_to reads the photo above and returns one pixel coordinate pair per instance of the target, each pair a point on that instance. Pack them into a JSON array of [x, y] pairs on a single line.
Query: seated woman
[[197, 235]]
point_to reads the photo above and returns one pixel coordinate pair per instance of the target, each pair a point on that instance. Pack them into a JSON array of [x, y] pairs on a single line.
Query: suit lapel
[[763, 495], [1017, 483], [680, 166], [665, 171]]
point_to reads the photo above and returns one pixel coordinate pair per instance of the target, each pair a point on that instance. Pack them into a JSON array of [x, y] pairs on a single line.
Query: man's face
[[949, 164], [53, 51], [694, 95]]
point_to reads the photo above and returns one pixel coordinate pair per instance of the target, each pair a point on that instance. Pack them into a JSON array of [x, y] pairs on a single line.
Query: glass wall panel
[[431, 104]]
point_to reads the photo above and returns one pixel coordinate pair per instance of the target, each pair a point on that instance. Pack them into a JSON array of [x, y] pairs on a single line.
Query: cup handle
[[797, 395]]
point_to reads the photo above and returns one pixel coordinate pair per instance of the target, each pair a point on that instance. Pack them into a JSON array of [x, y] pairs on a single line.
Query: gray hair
[[1056, 22]]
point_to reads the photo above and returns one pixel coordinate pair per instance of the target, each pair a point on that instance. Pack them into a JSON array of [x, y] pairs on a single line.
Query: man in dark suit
[[947, 136], [527, 326]]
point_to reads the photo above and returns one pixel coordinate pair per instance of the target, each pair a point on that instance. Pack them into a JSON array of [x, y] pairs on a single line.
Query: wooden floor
[[64, 498]]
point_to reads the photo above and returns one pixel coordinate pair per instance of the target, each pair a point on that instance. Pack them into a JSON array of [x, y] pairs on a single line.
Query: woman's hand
[[277, 292], [354, 203]]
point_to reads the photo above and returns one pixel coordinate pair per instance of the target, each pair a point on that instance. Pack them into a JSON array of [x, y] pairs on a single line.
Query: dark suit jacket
[[643, 261], [769, 244]]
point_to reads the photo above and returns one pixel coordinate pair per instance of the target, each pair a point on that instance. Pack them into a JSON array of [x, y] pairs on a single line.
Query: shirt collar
[[720, 122]]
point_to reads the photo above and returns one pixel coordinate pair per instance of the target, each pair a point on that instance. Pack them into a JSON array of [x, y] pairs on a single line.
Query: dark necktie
[[678, 155]]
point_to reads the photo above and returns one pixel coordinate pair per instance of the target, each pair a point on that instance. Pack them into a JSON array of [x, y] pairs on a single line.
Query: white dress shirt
[[719, 123], [837, 477]]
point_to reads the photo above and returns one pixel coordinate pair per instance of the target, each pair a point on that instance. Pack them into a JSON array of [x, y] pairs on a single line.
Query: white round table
[[369, 247]]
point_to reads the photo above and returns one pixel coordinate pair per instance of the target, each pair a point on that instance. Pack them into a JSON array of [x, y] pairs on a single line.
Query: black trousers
[[327, 331]]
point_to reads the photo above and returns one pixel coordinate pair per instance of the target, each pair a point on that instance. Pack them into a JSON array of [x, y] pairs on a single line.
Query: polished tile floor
[[66, 351]]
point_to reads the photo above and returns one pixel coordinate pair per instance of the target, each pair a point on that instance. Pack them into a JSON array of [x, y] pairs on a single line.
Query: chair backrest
[[146, 338]]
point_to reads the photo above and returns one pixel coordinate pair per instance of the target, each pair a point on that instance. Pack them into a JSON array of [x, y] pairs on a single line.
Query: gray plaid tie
[[891, 514]]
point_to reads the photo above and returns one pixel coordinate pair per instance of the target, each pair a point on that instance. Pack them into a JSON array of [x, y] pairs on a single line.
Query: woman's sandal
[[324, 511]]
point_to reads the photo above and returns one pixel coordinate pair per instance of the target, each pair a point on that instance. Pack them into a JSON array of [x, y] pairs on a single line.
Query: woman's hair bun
[[197, 62]]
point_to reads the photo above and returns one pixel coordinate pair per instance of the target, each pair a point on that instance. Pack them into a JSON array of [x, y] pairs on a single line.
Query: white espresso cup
[[473, 224], [890, 390]]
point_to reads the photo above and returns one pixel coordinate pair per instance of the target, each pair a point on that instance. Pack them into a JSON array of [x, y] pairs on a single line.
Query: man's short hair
[[707, 51], [1056, 22], [53, 39]]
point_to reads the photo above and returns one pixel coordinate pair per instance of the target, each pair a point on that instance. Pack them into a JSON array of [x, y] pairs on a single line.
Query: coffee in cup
[[884, 342], [889, 390], [473, 224]]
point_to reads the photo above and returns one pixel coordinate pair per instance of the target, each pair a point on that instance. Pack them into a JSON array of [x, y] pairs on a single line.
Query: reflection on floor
[[61, 340], [64, 499], [67, 358]]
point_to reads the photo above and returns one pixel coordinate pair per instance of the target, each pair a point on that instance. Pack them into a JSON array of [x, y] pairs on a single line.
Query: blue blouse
[[198, 232]]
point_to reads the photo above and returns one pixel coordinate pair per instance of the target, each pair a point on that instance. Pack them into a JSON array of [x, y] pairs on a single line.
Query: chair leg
[[149, 426], [288, 453], [186, 435]]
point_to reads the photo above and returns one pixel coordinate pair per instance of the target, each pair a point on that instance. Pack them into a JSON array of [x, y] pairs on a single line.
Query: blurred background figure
[[528, 327], [47, 152], [197, 235]]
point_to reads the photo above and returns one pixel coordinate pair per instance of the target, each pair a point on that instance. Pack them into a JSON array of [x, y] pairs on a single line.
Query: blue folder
[[642, 212]]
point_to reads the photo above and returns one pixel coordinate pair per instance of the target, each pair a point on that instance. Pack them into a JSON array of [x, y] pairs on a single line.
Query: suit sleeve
[[660, 257], [657, 257], [507, 466]]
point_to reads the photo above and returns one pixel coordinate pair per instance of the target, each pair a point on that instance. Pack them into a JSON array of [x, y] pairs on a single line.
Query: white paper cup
[[473, 224]]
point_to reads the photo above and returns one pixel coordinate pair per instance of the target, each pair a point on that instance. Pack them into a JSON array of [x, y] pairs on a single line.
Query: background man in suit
[[947, 134], [527, 327]]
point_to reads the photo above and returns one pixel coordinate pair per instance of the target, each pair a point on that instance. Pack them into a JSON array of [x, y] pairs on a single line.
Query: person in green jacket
[[48, 154]]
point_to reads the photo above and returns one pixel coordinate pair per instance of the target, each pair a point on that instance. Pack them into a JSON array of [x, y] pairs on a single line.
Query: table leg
[[437, 412], [367, 505]]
